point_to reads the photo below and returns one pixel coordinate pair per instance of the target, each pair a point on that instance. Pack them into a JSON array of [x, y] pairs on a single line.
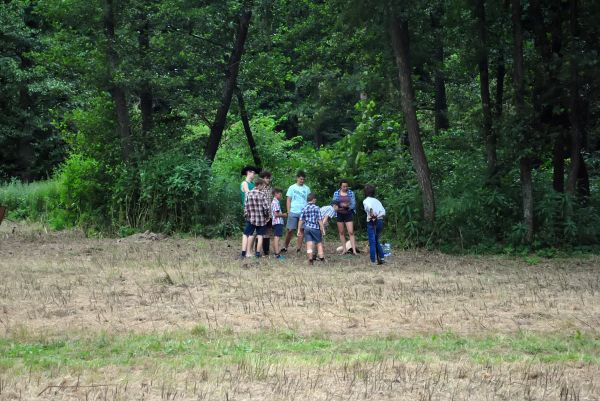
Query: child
[[257, 212], [267, 193], [314, 230], [375, 213], [246, 186], [276, 218]]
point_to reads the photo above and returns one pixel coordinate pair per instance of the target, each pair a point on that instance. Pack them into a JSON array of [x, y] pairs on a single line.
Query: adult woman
[[346, 208]]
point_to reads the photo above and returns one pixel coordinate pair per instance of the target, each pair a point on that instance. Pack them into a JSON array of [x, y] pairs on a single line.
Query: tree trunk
[[440, 103], [400, 45], [558, 164], [117, 92], [247, 129], [500, 73], [574, 115], [146, 98], [484, 85], [216, 130], [518, 79]]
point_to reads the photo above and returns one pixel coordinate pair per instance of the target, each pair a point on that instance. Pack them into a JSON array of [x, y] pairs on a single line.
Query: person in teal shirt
[[297, 195], [246, 186]]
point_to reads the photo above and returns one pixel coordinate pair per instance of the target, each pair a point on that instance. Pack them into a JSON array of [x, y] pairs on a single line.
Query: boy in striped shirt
[[277, 219], [314, 230]]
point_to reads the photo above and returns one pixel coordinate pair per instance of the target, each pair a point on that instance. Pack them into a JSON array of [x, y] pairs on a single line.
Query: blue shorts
[[278, 230], [292, 221], [313, 234], [249, 229]]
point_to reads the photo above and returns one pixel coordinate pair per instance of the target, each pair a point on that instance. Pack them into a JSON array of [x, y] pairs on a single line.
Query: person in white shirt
[[375, 213]]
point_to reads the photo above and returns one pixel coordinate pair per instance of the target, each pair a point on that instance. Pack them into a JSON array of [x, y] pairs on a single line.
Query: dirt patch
[[57, 282]]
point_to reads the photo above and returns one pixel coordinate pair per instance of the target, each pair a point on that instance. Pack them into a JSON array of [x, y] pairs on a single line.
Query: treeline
[[478, 120]]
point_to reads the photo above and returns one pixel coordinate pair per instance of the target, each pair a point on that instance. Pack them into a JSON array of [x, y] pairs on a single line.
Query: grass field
[[180, 319]]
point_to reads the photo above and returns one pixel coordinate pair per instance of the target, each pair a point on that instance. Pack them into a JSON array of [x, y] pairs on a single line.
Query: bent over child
[[312, 222]]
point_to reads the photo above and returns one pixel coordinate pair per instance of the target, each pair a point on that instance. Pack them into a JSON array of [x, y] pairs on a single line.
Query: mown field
[[147, 318]]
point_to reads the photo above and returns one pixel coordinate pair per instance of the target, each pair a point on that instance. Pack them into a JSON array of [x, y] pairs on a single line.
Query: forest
[[478, 121]]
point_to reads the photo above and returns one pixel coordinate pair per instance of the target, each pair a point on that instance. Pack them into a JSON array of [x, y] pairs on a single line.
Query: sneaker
[[322, 259], [279, 257], [298, 251], [314, 257], [311, 262], [381, 262], [283, 250]]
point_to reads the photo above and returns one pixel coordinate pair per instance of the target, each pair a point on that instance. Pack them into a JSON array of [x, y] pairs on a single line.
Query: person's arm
[[322, 227], [288, 204], [245, 186], [352, 202], [300, 223]]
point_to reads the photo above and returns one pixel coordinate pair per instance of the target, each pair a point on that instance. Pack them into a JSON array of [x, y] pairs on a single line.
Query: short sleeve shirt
[[299, 195]]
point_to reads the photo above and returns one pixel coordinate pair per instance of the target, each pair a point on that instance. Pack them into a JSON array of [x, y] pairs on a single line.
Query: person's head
[[266, 175], [344, 185], [249, 172], [259, 183], [312, 198], [336, 205], [300, 177], [369, 190], [277, 193]]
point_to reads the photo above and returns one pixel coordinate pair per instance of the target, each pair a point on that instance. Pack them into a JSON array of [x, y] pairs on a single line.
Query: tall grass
[[30, 201]]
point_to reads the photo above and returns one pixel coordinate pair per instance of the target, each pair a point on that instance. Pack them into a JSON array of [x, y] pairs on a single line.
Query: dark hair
[[342, 181], [276, 191], [311, 197], [245, 169], [300, 173], [259, 181], [265, 174], [369, 190]]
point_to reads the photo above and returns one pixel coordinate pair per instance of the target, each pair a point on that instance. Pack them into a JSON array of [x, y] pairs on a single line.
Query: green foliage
[[30, 201]]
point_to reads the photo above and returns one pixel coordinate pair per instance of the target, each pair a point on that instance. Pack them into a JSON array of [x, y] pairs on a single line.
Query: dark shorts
[[313, 234], [250, 228], [344, 217], [278, 230]]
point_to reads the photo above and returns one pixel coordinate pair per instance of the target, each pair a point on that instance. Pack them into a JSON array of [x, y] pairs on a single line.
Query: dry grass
[[60, 284]]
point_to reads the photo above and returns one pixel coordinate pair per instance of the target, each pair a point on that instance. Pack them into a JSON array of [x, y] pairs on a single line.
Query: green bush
[[30, 201]]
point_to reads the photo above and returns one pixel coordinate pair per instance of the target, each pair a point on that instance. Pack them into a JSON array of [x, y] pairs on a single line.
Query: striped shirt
[[310, 216], [275, 210], [327, 211]]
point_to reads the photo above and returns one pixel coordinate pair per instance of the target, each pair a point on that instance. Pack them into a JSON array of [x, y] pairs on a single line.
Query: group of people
[[264, 217]]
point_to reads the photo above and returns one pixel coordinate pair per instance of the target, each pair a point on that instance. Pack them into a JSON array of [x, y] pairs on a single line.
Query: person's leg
[[292, 226], [244, 244], [288, 238], [247, 237], [340, 227], [309, 251], [299, 240], [250, 246], [350, 228], [259, 243], [320, 251], [276, 245], [377, 237], [371, 231]]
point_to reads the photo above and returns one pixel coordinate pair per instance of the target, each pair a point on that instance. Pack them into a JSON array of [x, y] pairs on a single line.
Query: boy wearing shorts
[[277, 219], [257, 212], [314, 230]]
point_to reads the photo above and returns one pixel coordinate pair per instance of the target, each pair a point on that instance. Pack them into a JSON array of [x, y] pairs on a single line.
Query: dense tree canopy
[[477, 120]]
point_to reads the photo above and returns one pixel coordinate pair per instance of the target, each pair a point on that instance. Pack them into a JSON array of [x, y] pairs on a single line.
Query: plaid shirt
[[336, 199], [311, 215], [328, 211], [256, 209], [276, 208]]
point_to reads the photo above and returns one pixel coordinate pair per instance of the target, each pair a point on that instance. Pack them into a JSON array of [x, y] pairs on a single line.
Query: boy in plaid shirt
[[257, 212], [277, 219], [314, 230]]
